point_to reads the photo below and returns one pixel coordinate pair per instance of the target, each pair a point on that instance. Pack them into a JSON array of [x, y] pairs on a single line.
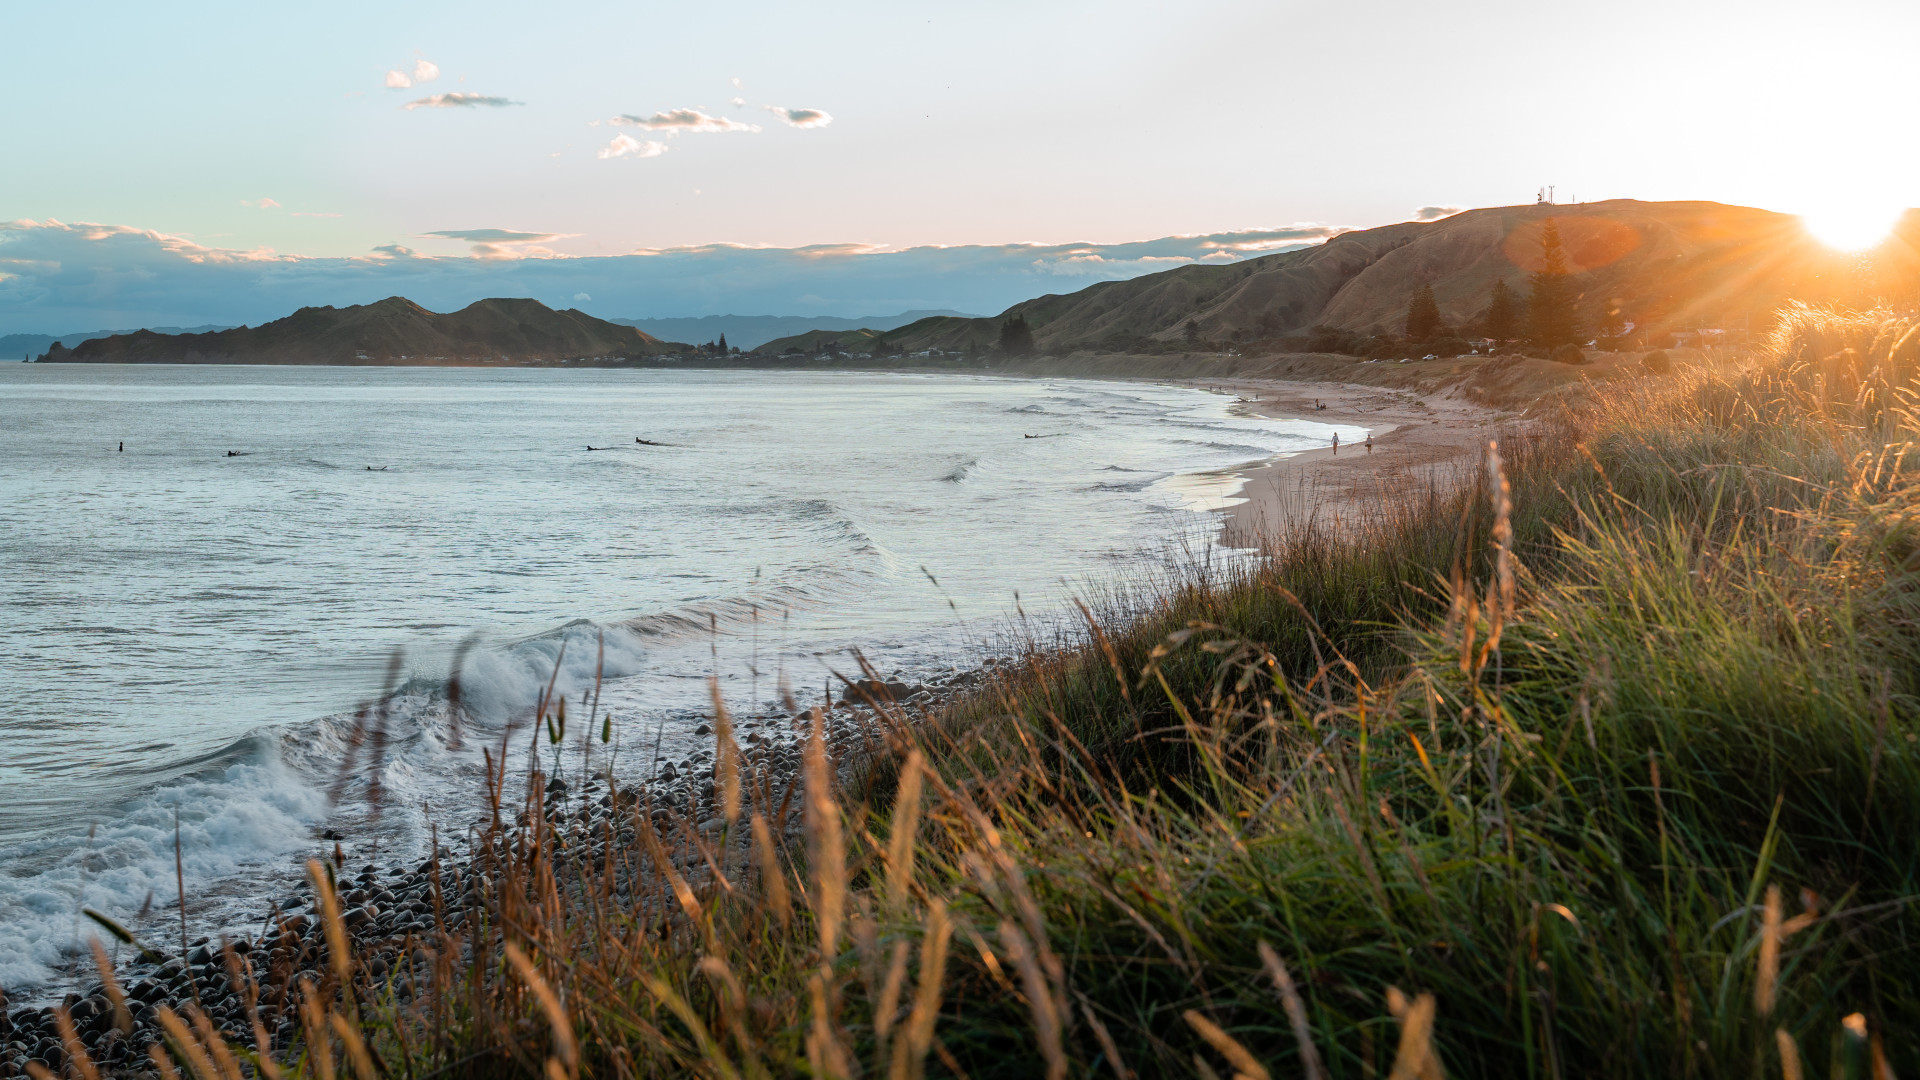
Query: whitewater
[[189, 625]]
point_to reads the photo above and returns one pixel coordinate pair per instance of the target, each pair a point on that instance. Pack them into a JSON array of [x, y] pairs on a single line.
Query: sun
[[1852, 227]]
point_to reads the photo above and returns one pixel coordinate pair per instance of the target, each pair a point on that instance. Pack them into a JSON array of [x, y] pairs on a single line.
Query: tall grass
[[1603, 765]]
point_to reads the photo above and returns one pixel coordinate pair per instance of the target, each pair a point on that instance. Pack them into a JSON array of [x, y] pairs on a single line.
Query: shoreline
[[1420, 441]]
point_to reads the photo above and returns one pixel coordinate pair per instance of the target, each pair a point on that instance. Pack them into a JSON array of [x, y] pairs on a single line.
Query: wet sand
[[1420, 443]]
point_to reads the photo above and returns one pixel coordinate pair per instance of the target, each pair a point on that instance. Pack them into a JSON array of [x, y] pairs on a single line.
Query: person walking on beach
[[1369, 442], [123, 448], [1336, 442]]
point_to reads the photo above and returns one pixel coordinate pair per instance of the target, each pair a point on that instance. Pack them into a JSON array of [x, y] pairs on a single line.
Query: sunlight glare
[[1853, 227]]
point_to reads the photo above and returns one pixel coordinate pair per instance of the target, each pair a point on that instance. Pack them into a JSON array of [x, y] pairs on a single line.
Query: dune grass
[[1603, 765]]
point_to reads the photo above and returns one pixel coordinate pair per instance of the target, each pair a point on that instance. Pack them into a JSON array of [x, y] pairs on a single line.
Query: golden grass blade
[[889, 1002], [1789, 1055], [825, 1052], [1107, 1045], [826, 846], [726, 754], [319, 1040], [934, 938], [122, 1016], [1769, 973], [162, 1064], [773, 880], [1046, 1017], [682, 892], [1310, 1063], [337, 949], [187, 1046], [70, 1040], [356, 1047], [1415, 1060], [906, 822], [678, 1006], [1229, 1047], [569, 1052], [217, 1047]]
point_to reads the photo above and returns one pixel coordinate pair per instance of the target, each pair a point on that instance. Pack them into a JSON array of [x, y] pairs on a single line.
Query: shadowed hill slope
[[392, 331], [1664, 265]]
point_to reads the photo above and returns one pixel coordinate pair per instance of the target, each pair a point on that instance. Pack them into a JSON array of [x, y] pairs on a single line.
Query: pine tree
[[1551, 306], [1016, 337], [1423, 315], [1503, 322], [723, 344]]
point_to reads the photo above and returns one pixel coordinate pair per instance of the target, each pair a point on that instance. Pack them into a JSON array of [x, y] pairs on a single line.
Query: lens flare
[[1855, 227]]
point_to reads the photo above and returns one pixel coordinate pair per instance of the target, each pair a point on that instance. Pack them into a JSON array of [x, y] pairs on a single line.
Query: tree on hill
[[1551, 307], [1503, 320], [1423, 315], [723, 344], [1192, 330], [1016, 337]]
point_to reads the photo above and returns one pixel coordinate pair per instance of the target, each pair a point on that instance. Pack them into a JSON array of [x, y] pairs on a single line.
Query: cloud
[[260, 204], [738, 103], [397, 80], [64, 278], [735, 81], [425, 71], [675, 121], [628, 146], [1435, 213], [502, 243], [581, 297], [801, 118], [459, 100]]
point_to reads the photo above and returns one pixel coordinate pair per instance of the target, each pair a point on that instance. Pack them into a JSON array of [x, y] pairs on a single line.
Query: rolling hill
[[392, 331], [1665, 265]]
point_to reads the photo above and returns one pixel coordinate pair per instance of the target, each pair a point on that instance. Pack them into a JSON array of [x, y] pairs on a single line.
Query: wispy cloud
[[501, 243], [624, 146], [675, 121], [801, 118], [460, 99], [738, 103], [1435, 213], [260, 204]]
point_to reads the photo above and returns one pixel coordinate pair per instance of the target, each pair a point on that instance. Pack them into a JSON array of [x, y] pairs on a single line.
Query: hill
[[1666, 266], [28, 346], [752, 331], [392, 331]]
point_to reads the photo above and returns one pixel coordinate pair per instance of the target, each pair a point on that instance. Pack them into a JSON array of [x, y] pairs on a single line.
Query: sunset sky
[[484, 131]]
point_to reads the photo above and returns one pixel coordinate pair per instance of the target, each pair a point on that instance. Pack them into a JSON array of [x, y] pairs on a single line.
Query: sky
[[847, 158]]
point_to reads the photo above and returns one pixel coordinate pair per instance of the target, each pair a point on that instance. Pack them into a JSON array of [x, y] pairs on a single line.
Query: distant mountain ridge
[[752, 331], [393, 331], [27, 346], [1664, 266]]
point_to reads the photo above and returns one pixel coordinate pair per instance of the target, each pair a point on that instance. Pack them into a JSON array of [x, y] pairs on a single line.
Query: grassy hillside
[[1604, 764], [1666, 266]]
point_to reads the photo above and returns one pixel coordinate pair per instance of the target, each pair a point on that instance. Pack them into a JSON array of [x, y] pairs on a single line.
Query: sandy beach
[[1419, 441]]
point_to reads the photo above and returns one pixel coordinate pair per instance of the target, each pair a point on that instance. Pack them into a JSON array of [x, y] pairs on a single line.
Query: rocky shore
[[407, 926]]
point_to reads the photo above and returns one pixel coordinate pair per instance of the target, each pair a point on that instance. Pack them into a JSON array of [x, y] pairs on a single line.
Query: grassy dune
[[1603, 766]]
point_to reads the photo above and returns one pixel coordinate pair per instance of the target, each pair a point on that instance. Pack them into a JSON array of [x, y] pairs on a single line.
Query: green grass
[[1619, 767]]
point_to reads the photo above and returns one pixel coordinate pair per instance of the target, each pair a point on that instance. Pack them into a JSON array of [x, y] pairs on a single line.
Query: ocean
[[189, 624]]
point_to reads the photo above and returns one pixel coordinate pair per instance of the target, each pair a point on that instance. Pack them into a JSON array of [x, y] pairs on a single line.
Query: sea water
[[188, 624]]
